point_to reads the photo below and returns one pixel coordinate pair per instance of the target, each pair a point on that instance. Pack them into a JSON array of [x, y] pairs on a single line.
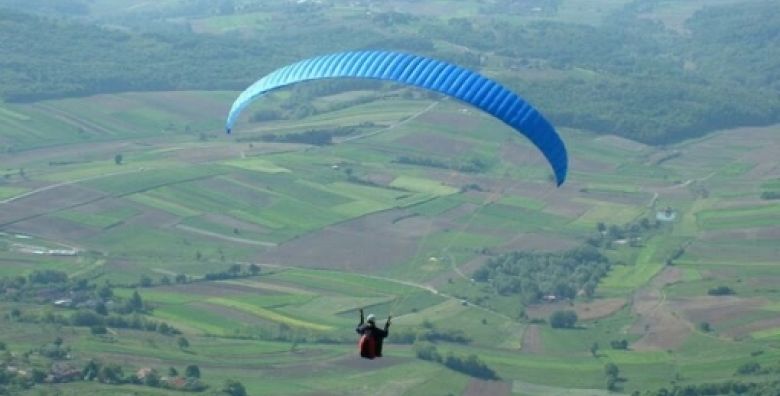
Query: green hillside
[[137, 241]]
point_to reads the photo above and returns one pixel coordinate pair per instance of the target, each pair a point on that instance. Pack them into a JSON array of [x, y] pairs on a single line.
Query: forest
[[533, 275], [630, 76]]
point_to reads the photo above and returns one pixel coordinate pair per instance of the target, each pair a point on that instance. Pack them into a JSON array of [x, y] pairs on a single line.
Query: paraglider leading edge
[[422, 72]]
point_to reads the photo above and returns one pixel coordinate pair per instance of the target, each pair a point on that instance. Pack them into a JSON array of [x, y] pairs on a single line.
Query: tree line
[[639, 79]]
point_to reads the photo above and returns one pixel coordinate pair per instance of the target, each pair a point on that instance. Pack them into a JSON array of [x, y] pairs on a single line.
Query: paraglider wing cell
[[422, 72]]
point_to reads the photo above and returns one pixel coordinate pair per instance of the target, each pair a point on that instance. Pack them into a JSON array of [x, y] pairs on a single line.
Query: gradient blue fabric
[[421, 72]]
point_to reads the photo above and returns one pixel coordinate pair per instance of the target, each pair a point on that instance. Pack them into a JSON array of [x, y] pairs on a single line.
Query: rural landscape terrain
[[145, 252]]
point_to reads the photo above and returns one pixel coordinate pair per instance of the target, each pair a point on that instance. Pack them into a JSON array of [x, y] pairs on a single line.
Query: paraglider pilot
[[371, 337]]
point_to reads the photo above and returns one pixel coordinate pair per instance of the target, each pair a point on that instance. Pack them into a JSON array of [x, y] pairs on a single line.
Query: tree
[[615, 232], [90, 370], [182, 343], [181, 278], [110, 374], [234, 269], [105, 292], [152, 378], [619, 344], [720, 291], [192, 371], [611, 370], [705, 327], [427, 351], [254, 269], [594, 349], [135, 304], [145, 281], [601, 227], [749, 368], [118, 159], [38, 375], [234, 388], [101, 308], [563, 319], [172, 372]]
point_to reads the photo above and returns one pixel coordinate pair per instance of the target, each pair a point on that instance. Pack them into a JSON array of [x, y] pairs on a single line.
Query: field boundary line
[[224, 237], [67, 183]]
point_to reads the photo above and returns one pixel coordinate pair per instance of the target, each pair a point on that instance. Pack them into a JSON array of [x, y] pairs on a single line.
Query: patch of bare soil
[[565, 206], [103, 205], [52, 228], [747, 234], [636, 199], [46, 154], [436, 144], [586, 165], [365, 244], [538, 242], [661, 327], [718, 309], [154, 218], [462, 120], [234, 190], [532, 340], [669, 275], [190, 104], [585, 310], [47, 201], [744, 330], [71, 119], [457, 212], [232, 222], [215, 153], [622, 143], [520, 153], [479, 387], [236, 317]]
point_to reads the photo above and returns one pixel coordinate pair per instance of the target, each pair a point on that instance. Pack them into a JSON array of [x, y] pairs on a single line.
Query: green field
[[224, 236], [221, 211]]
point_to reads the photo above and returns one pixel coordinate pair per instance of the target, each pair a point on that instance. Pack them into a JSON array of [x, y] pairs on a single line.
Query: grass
[[294, 193], [606, 212], [523, 202], [739, 217], [629, 277], [164, 205], [7, 114], [512, 218], [437, 206], [125, 184], [257, 165], [268, 314], [97, 220], [559, 342], [418, 184], [10, 192]]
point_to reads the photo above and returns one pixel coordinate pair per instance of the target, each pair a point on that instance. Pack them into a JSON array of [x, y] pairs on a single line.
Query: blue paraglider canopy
[[426, 73]]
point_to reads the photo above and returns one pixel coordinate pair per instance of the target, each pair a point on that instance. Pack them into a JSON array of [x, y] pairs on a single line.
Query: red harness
[[367, 346]]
